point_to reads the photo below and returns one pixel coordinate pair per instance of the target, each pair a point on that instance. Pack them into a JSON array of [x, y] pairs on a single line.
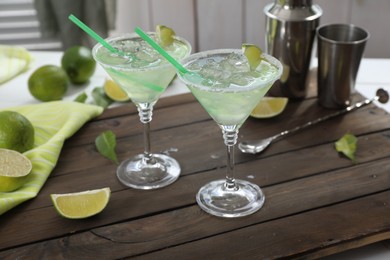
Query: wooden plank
[[345, 223], [205, 136], [154, 220], [282, 200], [208, 147], [124, 121], [370, 148]]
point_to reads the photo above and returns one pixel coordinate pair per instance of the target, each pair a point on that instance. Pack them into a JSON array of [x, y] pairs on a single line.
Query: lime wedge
[[269, 107], [253, 54], [165, 35], [114, 92], [81, 204], [14, 170]]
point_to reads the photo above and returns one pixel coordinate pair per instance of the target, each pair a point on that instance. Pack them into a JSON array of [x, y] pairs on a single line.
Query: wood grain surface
[[317, 201]]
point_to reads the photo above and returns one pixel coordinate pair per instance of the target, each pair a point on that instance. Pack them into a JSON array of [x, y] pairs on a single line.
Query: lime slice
[[165, 35], [253, 54], [81, 204], [14, 170], [269, 107], [114, 92]]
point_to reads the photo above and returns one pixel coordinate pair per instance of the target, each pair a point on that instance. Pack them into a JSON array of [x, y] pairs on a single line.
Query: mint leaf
[[100, 98], [105, 144], [81, 98], [347, 145]]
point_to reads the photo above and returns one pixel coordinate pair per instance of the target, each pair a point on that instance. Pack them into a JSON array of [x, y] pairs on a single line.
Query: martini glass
[[228, 90], [144, 75]]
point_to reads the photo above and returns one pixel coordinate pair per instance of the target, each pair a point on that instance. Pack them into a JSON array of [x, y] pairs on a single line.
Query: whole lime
[[48, 83], [79, 64], [16, 132]]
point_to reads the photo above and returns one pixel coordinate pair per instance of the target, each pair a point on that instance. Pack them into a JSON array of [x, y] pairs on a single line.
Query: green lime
[[48, 83], [79, 64], [16, 132], [14, 170]]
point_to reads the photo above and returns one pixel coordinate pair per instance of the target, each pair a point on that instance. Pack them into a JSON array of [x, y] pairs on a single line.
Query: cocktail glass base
[[217, 199], [145, 173]]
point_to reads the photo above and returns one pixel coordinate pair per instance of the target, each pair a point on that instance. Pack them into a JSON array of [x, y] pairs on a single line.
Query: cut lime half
[[14, 170]]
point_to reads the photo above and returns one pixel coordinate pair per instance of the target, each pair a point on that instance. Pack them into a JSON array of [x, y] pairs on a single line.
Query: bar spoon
[[257, 146]]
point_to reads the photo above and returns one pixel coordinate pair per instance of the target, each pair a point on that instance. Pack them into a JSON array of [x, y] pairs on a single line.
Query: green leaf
[[105, 143], [81, 98], [347, 145], [100, 98]]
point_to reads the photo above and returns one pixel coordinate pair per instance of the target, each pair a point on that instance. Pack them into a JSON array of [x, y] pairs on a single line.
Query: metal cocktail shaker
[[290, 33]]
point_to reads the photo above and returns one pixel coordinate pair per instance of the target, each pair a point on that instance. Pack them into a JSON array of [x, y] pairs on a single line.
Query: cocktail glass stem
[[230, 197], [230, 135], [148, 170], [145, 111]]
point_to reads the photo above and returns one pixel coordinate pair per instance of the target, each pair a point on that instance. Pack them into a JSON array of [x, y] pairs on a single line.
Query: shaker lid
[[289, 10]]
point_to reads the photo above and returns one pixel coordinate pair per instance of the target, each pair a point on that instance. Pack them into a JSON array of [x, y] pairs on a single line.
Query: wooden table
[[317, 201]]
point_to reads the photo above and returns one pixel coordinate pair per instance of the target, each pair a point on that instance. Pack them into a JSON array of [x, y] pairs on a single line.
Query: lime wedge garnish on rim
[[81, 204], [165, 35], [253, 54]]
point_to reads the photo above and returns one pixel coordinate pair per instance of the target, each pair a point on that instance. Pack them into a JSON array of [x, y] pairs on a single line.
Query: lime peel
[[83, 204]]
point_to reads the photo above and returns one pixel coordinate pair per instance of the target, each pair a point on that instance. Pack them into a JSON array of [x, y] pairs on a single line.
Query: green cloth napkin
[[13, 60], [53, 122]]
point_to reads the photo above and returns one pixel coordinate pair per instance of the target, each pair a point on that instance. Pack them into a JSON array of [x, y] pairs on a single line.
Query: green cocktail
[[229, 89], [142, 72], [144, 75]]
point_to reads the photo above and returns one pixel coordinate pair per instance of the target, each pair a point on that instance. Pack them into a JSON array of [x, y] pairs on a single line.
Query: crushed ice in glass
[[140, 53], [231, 69]]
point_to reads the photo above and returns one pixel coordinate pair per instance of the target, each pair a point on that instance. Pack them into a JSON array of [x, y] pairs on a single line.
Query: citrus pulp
[[14, 170], [81, 204]]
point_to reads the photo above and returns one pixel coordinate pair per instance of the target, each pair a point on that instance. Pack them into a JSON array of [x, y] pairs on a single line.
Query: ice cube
[[195, 66], [239, 79]]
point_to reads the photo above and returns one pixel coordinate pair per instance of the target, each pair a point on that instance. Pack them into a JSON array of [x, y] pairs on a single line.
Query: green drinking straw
[[157, 47], [105, 44], [94, 35]]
